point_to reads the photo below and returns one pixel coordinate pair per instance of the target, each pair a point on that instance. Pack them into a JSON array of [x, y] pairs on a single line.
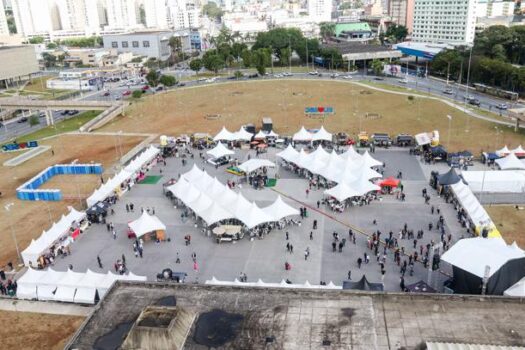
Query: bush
[[137, 94], [168, 80], [411, 98]]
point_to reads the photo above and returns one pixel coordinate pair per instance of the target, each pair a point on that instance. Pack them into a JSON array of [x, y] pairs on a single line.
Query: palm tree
[[327, 30]]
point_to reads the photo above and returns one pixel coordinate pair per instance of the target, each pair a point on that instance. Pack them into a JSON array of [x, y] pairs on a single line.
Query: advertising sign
[[319, 110], [18, 146]]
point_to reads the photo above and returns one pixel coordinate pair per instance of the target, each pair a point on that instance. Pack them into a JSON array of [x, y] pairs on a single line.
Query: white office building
[[444, 21], [183, 14], [4, 29], [32, 17], [320, 10], [121, 14], [487, 8], [156, 14]]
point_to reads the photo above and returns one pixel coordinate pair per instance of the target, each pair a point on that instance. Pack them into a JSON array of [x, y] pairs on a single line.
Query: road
[[433, 86]]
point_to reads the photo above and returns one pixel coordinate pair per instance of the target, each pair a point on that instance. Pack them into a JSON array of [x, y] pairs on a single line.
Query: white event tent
[[279, 209], [107, 189], [243, 135], [289, 154], [516, 290], [478, 215], [322, 135], [510, 162], [302, 135], [58, 230], [146, 223], [225, 135], [503, 152], [254, 164], [220, 151], [342, 191], [509, 181], [145, 157]]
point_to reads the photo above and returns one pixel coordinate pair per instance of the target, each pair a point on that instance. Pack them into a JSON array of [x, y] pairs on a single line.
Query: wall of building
[[486, 8], [17, 61], [142, 44]]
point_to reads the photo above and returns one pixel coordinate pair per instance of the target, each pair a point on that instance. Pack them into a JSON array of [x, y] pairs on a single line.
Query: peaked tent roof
[[225, 135], [518, 150], [254, 164], [503, 152], [342, 192], [244, 135], [510, 162], [193, 174], [369, 161], [363, 284], [449, 178], [322, 135], [201, 203], [302, 135], [260, 135], [289, 154], [351, 153], [272, 134], [146, 223], [215, 213], [255, 216], [220, 151], [279, 209], [516, 290]]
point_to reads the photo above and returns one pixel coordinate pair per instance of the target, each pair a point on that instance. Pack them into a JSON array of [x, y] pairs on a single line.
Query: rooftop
[[258, 318], [354, 47], [351, 27]]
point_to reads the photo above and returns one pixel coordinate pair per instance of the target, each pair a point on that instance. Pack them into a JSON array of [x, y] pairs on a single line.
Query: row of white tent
[[508, 181], [478, 215], [350, 170], [304, 135], [213, 201], [59, 229], [506, 151], [226, 135], [69, 286], [282, 284], [511, 162], [107, 189]]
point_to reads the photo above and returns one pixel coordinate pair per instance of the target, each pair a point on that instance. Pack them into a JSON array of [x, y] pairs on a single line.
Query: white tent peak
[[510, 162], [302, 135], [225, 135], [146, 223], [322, 135], [220, 151]]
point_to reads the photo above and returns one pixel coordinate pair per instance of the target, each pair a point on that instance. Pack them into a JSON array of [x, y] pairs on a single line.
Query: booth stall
[[510, 162], [389, 184], [148, 227]]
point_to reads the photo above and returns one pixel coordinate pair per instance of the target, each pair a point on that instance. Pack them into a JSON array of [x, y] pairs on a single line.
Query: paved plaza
[[265, 258]]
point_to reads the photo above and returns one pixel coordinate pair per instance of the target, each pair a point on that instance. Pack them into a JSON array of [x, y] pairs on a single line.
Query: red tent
[[389, 182]]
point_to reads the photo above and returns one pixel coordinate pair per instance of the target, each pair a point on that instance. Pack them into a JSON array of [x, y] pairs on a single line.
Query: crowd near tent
[[475, 211], [226, 135], [71, 287], [148, 224], [220, 151], [516, 290], [510, 162], [509, 181], [213, 202], [474, 258], [256, 163], [113, 185], [59, 230]]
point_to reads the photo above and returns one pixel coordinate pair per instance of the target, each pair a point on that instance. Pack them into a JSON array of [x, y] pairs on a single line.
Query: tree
[[225, 37], [280, 38], [49, 60], [285, 55], [153, 78], [168, 80], [261, 58], [51, 46], [237, 50], [345, 6], [238, 74], [211, 10], [137, 94], [34, 120], [196, 65], [327, 30], [396, 33], [377, 67], [212, 61], [246, 56], [36, 40]]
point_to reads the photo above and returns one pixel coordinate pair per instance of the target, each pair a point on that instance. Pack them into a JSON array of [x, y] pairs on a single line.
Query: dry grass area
[[184, 111], [510, 222], [40, 331], [29, 219]]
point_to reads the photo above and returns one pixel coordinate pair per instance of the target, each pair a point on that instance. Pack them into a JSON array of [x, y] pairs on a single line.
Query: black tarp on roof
[[449, 178], [363, 284], [420, 287]]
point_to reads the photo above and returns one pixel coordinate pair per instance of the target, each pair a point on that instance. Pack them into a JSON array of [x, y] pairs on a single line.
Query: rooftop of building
[[144, 32], [351, 27], [261, 318], [356, 47]]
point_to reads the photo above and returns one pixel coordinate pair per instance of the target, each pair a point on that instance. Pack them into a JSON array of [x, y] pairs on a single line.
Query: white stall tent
[[289, 154], [224, 135], [369, 161], [243, 135], [302, 135], [48, 284], [351, 154], [519, 151], [272, 134], [87, 287], [260, 135], [279, 209], [509, 181], [108, 188], [27, 284], [503, 152], [510, 162], [146, 223], [220, 151], [322, 135], [201, 203], [215, 213], [470, 203], [142, 159], [254, 164], [193, 174], [342, 191], [516, 290]]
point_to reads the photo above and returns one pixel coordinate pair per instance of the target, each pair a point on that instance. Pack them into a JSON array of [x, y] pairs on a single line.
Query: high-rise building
[[320, 10], [32, 17], [498, 8], [121, 14], [156, 14], [4, 28], [401, 12], [72, 14], [444, 21], [183, 14]]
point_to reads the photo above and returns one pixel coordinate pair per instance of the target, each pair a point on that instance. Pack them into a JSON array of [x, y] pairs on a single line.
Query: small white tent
[[220, 151], [224, 135], [254, 164], [322, 135], [146, 223], [369, 161], [302, 135], [510, 162], [243, 135], [260, 135], [503, 152]]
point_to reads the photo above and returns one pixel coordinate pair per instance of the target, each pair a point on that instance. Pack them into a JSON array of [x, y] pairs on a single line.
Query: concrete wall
[[17, 61]]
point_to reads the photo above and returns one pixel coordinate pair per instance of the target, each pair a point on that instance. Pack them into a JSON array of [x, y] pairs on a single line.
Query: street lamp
[[449, 125], [7, 208]]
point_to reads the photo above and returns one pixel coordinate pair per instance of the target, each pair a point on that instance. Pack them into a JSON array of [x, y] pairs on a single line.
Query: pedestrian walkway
[[33, 152]]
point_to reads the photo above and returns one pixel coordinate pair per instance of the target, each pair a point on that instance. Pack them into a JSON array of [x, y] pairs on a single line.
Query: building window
[[114, 44], [135, 44], [145, 43], [124, 44]]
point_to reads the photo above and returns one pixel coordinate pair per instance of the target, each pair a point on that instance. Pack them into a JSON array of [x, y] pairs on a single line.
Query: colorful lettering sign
[[319, 110], [18, 146]]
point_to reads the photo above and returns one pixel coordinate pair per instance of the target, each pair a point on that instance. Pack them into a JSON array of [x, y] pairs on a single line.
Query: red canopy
[[390, 182]]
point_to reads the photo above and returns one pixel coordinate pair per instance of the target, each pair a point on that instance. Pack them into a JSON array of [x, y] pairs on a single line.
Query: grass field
[[26, 330], [509, 221], [238, 103]]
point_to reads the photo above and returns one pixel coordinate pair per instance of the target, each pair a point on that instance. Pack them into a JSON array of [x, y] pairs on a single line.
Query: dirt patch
[[509, 221], [284, 101], [30, 218], [40, 331]]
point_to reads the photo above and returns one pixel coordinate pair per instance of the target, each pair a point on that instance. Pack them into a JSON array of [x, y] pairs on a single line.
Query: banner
[[18, 146], [319, 110]]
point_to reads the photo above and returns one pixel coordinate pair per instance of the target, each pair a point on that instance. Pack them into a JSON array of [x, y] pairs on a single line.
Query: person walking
[[287, 236], [114, 234], [315, 225], [291, 249], [123, 259], [311, 236], [349, 275], [131, 206], [177, 260], [359, 262], [99, 262], [288, 247], [334, 246], [318, 204], [306, 253]]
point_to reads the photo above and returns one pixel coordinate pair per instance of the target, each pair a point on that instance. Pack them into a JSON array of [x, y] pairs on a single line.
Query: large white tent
[[215, 213], [68, 286], [142, 159], [225, 135], [255, 163], [509, 181], [220, 151], [27, 284], [351, 154], [503, 152], [478, 215], [289, 154], [87, 287], [510, 162], [58, 230], [516, 290], [47, 286], [322, 135], [342, 191], [108, 188], [146, 223], [302, 135], [243, 135], [279, 209], [194, 174], [369, 161], [255, 216]]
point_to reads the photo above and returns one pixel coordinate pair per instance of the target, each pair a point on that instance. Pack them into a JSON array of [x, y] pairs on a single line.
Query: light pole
[[466, 90], [449, 125], [48, 211], [448, 70], [7, 208]]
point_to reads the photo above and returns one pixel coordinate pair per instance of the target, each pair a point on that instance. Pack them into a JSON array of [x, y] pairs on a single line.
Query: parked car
[[379, 78], [126, 93], [502, 106], [381, 139], [145, 88], [313, 72], [334, 75], [404, 140], [403, 81], [106, 94], [73, 112], [159, 88], [474, 102], [22, 120], [64, 112], [448, 91], [181, 84]]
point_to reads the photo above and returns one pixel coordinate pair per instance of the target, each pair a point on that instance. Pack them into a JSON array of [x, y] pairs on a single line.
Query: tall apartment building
[[121, 14], [32, 17], [156, 14], [444, 21], [402, 12], [498, 8], [320, 10], [183, 14], [4, 28]]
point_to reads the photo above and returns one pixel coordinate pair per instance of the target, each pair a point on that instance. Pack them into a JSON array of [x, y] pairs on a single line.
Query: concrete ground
[[264, 259]]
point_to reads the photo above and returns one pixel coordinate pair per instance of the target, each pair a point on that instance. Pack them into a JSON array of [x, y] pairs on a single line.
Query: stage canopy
[[254, 164], [220, 151], [510, 162], [146, 223]]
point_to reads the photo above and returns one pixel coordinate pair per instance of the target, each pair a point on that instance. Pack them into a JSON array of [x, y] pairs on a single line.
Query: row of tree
[[495, 59]]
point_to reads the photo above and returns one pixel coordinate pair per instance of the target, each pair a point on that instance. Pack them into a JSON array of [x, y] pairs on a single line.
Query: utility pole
[[7, 207], [306, 44], [289, 54], [468, 81]]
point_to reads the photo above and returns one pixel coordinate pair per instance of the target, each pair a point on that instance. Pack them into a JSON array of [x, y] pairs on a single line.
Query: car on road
[[145, 88], [403, 81], [287, 74], [181, 84], [448, 91], [22, 120], [278, 75], [474, 102], [126, 93], [64, 112], [106, 94], [379, 78], [72, 112], [159, 88], [313, 72], [502, 106], [347, 77], [334, 75], [253, 76]]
